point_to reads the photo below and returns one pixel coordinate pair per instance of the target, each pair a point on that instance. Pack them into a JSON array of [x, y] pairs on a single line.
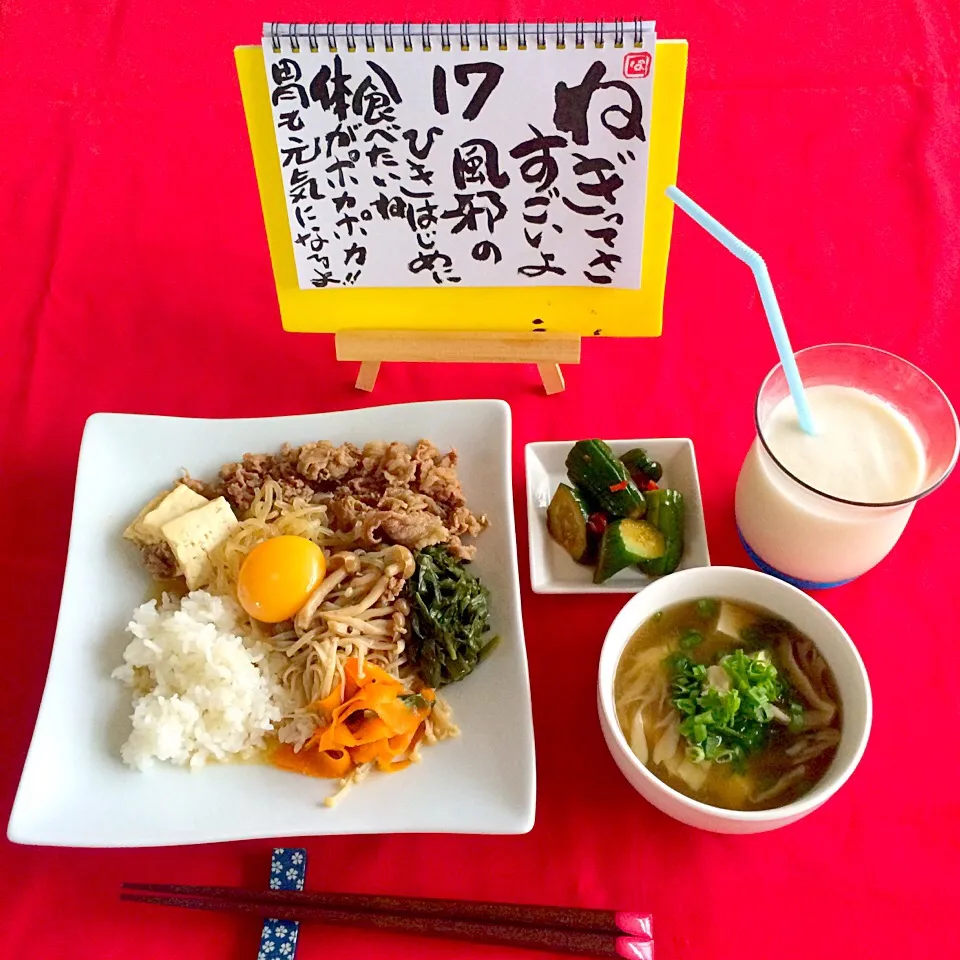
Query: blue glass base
[[796, 581]]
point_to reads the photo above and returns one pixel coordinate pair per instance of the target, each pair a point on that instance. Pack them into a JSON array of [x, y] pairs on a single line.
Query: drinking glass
[[814, 539]]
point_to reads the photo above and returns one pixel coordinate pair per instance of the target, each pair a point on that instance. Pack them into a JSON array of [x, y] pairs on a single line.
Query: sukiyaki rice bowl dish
[[731, 700], [285, 627]]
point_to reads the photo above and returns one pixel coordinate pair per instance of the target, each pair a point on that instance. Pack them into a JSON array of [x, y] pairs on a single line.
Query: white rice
[[199, 691]]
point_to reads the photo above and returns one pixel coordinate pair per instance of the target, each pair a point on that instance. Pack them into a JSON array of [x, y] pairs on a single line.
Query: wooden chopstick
[[612, 922], [283, 905]]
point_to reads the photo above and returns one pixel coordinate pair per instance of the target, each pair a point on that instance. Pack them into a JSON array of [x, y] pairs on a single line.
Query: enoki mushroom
[[356, 611]]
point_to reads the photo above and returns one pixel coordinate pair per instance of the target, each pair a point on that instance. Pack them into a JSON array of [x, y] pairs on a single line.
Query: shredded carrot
[[311, 763], [364, 720]]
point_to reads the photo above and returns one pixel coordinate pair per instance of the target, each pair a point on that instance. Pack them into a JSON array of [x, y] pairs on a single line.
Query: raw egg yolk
[[278, 576]]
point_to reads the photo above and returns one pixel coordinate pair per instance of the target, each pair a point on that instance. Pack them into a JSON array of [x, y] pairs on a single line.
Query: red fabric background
[[132, 247]]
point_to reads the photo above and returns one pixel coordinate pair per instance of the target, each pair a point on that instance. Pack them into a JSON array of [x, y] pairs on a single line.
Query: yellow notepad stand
[[478, 324]]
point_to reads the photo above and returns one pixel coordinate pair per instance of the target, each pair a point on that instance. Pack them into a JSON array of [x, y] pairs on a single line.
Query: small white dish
[[552, 570], [784, 600], [75, 791]]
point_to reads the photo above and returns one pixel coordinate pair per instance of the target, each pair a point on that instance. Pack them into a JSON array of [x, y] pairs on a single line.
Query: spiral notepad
[[473, 155]]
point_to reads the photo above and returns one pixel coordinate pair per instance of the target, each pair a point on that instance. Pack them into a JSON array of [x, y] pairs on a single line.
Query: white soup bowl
[[785, 601]]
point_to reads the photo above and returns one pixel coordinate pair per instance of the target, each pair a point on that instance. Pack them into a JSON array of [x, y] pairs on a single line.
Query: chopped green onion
[[706, 608], [796, 717], [682, 665], [727, 724], [414, 701], [695, 754]]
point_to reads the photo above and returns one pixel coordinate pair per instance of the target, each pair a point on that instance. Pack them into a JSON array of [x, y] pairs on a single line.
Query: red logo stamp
[[636, 66]]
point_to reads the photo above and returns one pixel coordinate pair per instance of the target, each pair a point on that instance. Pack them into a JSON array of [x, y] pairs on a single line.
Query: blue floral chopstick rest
[[288, 869]]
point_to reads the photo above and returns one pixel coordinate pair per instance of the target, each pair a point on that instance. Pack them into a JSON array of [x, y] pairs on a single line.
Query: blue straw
[[755, 262]]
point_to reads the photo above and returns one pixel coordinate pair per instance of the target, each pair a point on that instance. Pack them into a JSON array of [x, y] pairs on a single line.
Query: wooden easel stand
[[373, 347]]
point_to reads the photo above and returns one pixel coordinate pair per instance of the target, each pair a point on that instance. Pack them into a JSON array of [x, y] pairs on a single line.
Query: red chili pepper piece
[[597, 524], [650, 485], [617, 487]]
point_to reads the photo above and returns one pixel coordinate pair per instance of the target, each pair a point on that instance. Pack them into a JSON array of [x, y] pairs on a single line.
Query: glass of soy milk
[[820, 510]]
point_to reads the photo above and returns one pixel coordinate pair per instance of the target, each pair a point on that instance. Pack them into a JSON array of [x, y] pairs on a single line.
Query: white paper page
[[506, 168]]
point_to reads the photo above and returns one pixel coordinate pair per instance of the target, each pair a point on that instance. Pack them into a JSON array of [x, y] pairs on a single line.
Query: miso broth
[[728, 704]]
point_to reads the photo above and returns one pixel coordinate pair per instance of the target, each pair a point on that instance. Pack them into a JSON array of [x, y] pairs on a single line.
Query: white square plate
[[552, 570], [75, 791]]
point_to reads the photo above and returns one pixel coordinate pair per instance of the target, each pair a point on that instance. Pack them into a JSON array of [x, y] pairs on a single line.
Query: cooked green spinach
[[449, 618]]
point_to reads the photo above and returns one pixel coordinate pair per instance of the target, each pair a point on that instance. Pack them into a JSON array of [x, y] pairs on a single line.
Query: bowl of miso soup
[[731, 700]]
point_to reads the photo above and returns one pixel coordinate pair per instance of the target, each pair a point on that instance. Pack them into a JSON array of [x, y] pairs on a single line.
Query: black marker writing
[[573, 104]]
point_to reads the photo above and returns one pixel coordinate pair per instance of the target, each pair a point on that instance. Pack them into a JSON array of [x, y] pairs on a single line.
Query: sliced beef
[[323, 461], [198, 486], [239, 482], [387, 491], [159, 560]]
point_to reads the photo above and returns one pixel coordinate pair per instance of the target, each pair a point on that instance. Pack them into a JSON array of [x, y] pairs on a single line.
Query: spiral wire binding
[[468, 34]]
